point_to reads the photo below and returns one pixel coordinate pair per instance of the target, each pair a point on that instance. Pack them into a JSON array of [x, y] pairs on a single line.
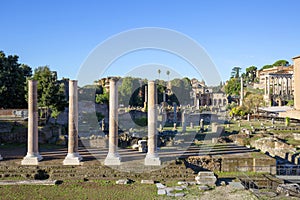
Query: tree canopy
[[12, 80], [50, 91], [233, 87]]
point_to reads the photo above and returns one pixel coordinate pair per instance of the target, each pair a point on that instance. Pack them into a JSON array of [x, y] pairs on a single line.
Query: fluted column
[[73, 157], [113, 157], [152, 156], [33, 157]]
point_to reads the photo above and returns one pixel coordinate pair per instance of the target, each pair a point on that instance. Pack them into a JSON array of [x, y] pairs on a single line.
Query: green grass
[[80, 190]]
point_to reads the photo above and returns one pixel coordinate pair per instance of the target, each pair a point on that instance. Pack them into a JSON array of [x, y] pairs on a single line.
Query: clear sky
[[62, 33]]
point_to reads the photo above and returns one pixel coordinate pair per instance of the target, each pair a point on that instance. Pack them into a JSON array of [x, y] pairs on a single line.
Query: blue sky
[[63, 33]]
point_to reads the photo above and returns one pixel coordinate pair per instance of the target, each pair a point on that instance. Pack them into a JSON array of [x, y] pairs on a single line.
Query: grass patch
[[80, 190]]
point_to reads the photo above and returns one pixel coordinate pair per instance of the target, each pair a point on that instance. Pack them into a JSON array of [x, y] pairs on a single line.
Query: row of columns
[[73, 157], [285, 87], [113, 157], [33, 157]]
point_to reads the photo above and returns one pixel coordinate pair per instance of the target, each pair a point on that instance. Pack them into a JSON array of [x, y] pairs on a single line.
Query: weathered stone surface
[[122, 182], [206, 178], [203, 187], [29, 182], [206, 162], [273, 146], [147, 181], [179, 195], [160, 186], [161, 192]]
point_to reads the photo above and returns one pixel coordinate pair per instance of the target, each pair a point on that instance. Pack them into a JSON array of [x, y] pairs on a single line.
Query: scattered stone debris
[[170, 191], [290, 189]]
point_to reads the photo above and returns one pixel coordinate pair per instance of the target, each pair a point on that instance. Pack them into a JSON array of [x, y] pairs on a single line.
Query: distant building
[[278, 84], [204, 96]]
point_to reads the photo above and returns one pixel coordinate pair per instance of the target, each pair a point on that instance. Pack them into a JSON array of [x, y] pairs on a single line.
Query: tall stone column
[[113, 157], [152, 156], [266, 83], [33, 157], [73, 157], [268, 87], [273, 85], [242, 92], [277, 86], [291, 85], [183, 121], [282, 83], [287, 86]]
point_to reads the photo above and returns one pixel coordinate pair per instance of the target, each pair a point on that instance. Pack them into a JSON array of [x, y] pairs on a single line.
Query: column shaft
[[73, 157], [113, 157], [152, 156], [33, 156]]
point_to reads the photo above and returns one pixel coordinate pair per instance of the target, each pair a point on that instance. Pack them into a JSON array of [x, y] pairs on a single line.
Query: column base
[[72, 159], [152, 160], [1, 158], [31, 159], [112, 159]]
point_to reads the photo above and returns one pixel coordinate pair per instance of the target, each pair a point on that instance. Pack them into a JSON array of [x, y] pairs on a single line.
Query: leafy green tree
[[266, 67], [252, 102], [12, 79], [233, 87], [281, 63], [50, 92], [235, 73], [251, 73], [181, 88], [127, 91]]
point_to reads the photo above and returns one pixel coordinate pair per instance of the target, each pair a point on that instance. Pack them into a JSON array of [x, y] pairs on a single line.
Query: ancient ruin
[[152, 156], [73, 157], [33, 156]]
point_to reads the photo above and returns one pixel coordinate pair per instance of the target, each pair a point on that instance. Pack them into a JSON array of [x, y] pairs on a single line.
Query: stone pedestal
[[33, 156], [152, 156], [73, 157], [113, 157]]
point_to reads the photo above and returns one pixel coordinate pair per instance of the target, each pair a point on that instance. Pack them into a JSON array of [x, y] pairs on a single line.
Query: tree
[[168, 74], [235, 73], [251, 73], [252, 102], [233, 87], [12, 79], [128, 91], [281, 63], [50, 92], [159, 71], [266, 67]]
